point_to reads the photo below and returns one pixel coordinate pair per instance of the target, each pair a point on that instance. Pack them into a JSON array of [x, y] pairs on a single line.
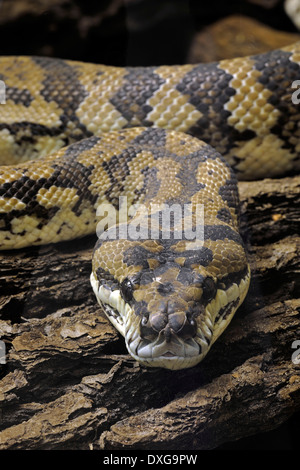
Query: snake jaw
[[163, 348], [169, 350], [174, 354], [111, 302]]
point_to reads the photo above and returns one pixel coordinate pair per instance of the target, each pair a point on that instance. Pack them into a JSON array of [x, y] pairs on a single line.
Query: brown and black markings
[[278, 72], [139, 84], [61, 85], [212, 103]]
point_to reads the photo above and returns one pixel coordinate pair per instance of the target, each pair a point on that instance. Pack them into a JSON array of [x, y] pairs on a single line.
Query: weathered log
[[68, 382]]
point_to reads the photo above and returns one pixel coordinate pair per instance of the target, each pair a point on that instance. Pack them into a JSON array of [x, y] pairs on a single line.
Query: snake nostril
[[173, 324], [177, 321], [181, 325], [151, 326], [158, 321]]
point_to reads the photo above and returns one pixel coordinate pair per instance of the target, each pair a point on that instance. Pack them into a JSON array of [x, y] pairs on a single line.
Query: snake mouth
[[175, 352]]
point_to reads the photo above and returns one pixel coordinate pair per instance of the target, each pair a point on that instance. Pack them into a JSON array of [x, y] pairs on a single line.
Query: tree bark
[[68, 382]]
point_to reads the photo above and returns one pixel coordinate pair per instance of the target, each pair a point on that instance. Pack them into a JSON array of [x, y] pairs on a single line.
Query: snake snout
[[169, 325]]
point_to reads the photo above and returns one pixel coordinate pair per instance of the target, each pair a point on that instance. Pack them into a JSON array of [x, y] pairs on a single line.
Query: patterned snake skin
[[169, 296]]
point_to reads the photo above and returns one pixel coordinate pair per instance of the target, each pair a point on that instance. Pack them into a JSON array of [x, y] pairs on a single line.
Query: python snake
[[147, 138]]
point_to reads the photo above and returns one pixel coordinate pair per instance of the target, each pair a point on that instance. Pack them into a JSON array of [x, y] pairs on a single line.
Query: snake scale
[[97, 136]]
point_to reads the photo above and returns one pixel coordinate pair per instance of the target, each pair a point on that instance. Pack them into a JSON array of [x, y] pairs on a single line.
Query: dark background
[[134, 32], [121, 32]]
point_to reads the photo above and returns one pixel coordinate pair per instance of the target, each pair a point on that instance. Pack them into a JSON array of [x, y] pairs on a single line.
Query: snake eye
[[127, 289], [209, 289]]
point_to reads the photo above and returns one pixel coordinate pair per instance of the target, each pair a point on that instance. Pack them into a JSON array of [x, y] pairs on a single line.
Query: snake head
[[170, 312]]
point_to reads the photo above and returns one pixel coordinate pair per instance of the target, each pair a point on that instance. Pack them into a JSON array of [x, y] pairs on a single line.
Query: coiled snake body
[[170, 296]]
